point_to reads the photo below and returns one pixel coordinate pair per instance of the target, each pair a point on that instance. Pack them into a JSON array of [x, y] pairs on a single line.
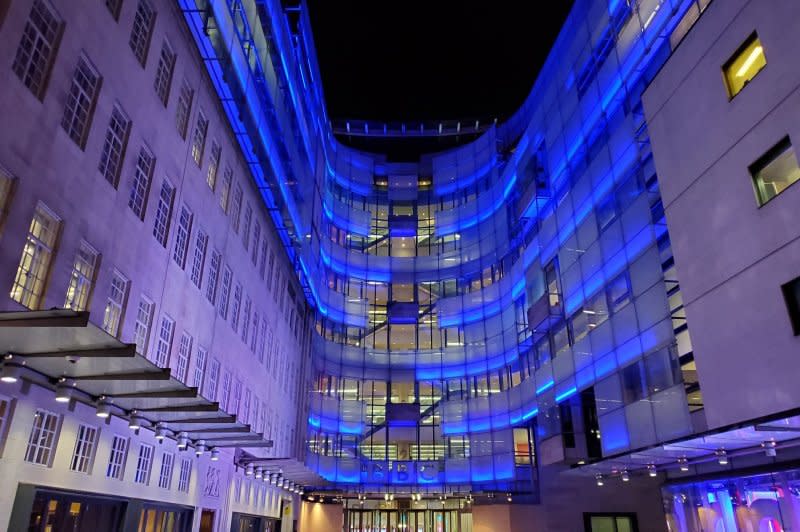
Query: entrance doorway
[[76, 512], [207, 521], [403, 521]]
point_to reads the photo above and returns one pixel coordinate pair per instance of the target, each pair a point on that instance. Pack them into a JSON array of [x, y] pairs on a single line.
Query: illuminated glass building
[[314, 337]]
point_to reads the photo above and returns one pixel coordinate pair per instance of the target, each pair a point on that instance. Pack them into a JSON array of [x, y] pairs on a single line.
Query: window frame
[[759, 165], [734, 56]]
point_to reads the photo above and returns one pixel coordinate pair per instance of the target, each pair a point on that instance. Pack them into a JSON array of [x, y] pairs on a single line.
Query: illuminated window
[[85, 446], [38, 46], [34, 265], [740, 69], [117, 458], [81, 280], [213, 164], [78, 111], [166, 64], [775, 171], [225, 192], [115, 304], [199, 138], [142, 30], [43, 438], [791, 294]]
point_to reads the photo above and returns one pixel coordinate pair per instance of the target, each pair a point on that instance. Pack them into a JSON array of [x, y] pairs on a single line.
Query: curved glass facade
[[476, 304]]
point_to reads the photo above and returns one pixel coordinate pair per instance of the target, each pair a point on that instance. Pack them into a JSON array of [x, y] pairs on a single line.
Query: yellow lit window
[[775, 171], [748, 61], [34, 265]]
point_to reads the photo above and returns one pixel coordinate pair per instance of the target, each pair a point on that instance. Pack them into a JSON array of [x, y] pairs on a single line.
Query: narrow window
[[227, 280], [199, 257], [165, 475], [78, 111], [256, 243], [115, 304], [254, 334], [185, 475], [200, 369], [114, 146], [262, 343], [213, 379], [262, 267], [248, 217], [142, 175], [142, 30], [775, 171], [164, 344], [117, 458], [182, 236], [38, 46], [164, 213], [744, 65], [213, 276], [85, 446], [184, 354], [166, 65], [246, 319], [225, 392], [144, 464], [199, 138], [114, 7], [791, 294], [237, 207], [213, 164], [184, 108], [224, 196], [236, 306], [43, 438], [81, 281], [144, 320], [37, 253]]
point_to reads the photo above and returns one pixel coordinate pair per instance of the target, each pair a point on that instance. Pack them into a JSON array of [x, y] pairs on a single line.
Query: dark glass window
[[791, 293]]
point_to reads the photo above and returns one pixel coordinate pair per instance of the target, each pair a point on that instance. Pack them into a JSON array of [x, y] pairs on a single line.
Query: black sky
[[431, 60]]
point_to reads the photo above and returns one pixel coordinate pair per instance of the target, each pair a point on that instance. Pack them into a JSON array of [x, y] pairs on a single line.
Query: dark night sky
[[431, 60]]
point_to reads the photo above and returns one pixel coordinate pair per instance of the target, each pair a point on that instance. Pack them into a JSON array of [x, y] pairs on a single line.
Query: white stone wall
[[48, 166], [732, 256]]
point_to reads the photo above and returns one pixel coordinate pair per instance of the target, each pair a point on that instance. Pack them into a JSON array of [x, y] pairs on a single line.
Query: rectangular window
[[144, 464], [262, 343], [199, 257], [184, 108], [225, 193], [262, 267], [164, 212], [237, 207], [118, 457], [185, 475], [254, 335], [270, 269], [165, 476], [225, 392], [38, 46], [200, 369], [236, 306], [213, 164], [184, 354], [248, 217], [164, 344], [142, 175], [114, 146], [85, 446], [213, 276], [144, 320], [166, 64], [213, 379], [256, 243], [246, 406], [142, 30], [775, 171], [43, 438], [618, 292], [78, 111], [115, 304], [182, 236], [791, 294], [246, 318], [114, 7], [236, 398], [227, 279], [37, 253], [199, 138], [744, 65], [81, 280]]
